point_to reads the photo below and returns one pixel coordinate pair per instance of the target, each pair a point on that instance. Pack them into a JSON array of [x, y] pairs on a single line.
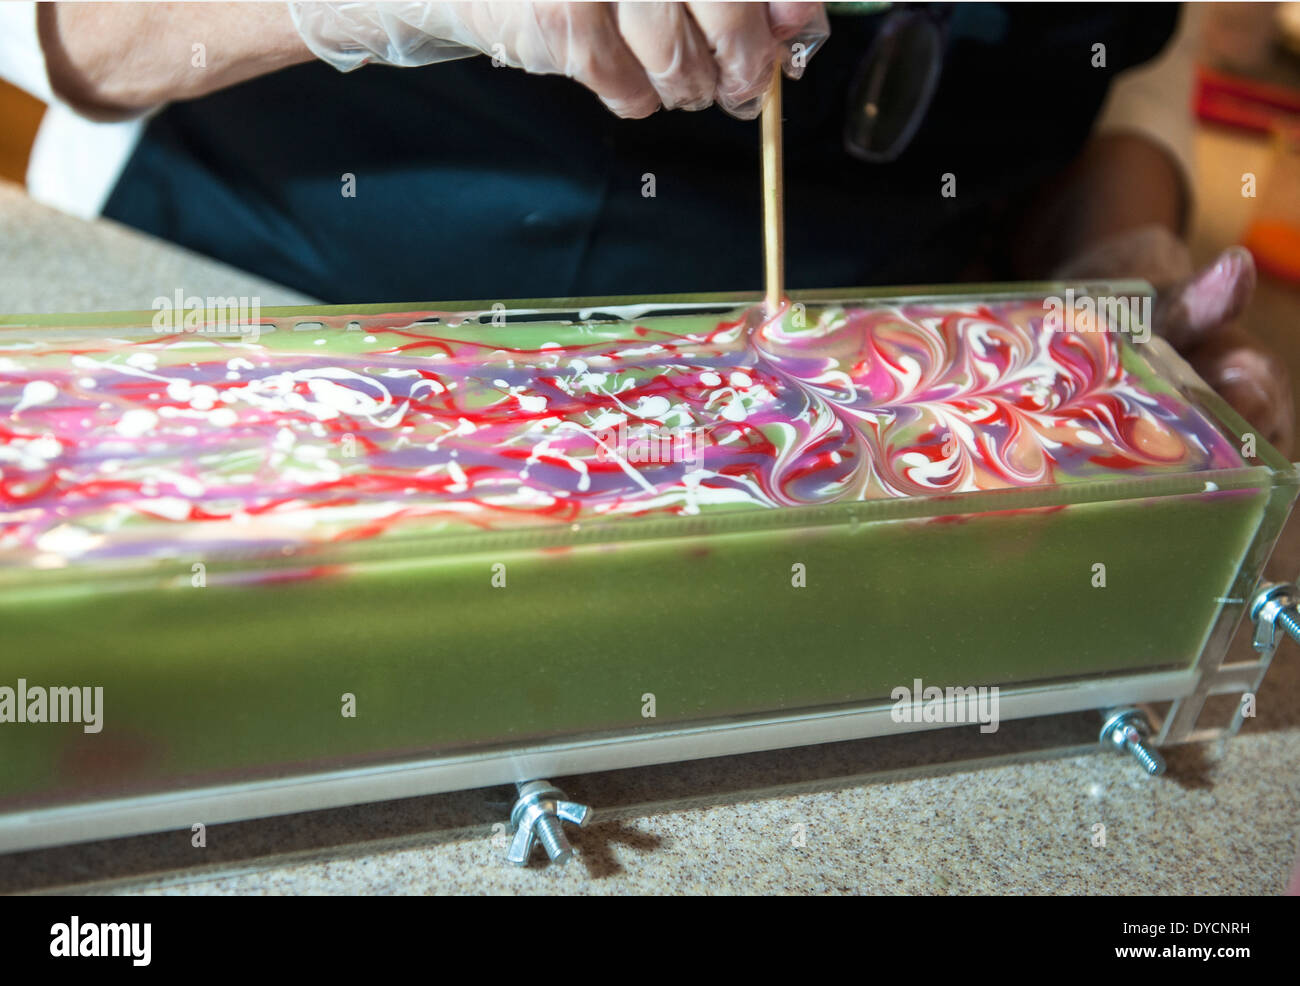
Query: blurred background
[[1247, 106]]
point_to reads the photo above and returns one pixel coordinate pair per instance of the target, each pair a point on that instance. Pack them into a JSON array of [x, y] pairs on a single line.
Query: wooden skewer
[[773, 197]]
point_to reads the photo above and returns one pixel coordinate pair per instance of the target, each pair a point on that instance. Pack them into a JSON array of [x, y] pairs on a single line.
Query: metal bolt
[[1275, 606], [537, 815], [1125, 731]]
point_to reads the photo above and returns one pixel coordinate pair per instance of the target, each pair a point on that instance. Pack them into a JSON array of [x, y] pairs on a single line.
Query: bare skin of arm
[[1118, 182], [113, 60]]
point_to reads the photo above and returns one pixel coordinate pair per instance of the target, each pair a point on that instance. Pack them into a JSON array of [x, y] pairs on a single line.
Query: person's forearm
[[111, 60], [1118, 182]]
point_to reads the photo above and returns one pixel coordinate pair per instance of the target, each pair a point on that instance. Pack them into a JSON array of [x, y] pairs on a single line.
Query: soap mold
[[768, 587]]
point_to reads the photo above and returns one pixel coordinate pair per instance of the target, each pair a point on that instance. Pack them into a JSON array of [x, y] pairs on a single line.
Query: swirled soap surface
[[134, 445]]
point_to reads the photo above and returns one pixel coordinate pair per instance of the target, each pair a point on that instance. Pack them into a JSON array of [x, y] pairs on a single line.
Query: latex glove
[[634, 56], [1197, 312]]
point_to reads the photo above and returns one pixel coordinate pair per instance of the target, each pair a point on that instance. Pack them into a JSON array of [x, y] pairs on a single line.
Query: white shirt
[[76, 162]]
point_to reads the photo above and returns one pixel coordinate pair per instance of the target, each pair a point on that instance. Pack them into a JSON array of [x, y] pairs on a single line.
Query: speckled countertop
[[800, 821]]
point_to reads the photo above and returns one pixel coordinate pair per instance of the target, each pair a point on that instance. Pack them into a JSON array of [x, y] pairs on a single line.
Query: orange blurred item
[[1273, 234], [20, 116], [1276, 247]]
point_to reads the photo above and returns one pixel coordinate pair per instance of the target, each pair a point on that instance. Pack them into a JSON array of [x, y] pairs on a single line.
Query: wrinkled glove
[[1198, 312], [634, 56]]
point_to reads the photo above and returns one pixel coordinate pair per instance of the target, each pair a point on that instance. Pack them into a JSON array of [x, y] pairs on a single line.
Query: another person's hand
[[1198, 312], [634, 56]]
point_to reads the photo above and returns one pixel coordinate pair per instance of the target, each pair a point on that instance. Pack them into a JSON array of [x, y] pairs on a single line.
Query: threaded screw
[[551, 835], [1290, 622], [1125, 731], [537, 816]]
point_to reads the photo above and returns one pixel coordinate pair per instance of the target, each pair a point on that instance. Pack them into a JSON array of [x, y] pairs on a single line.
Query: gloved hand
[[1197, 313], [634, 56]]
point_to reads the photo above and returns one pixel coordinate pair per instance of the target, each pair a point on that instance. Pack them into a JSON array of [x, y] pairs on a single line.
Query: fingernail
[[631, 110], [1246, 396], [1240, 265], [685, 100], [745, 110]]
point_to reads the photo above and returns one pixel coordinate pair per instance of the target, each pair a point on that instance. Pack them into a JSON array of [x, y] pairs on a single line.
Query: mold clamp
[[537, 817], [1274, 610]]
